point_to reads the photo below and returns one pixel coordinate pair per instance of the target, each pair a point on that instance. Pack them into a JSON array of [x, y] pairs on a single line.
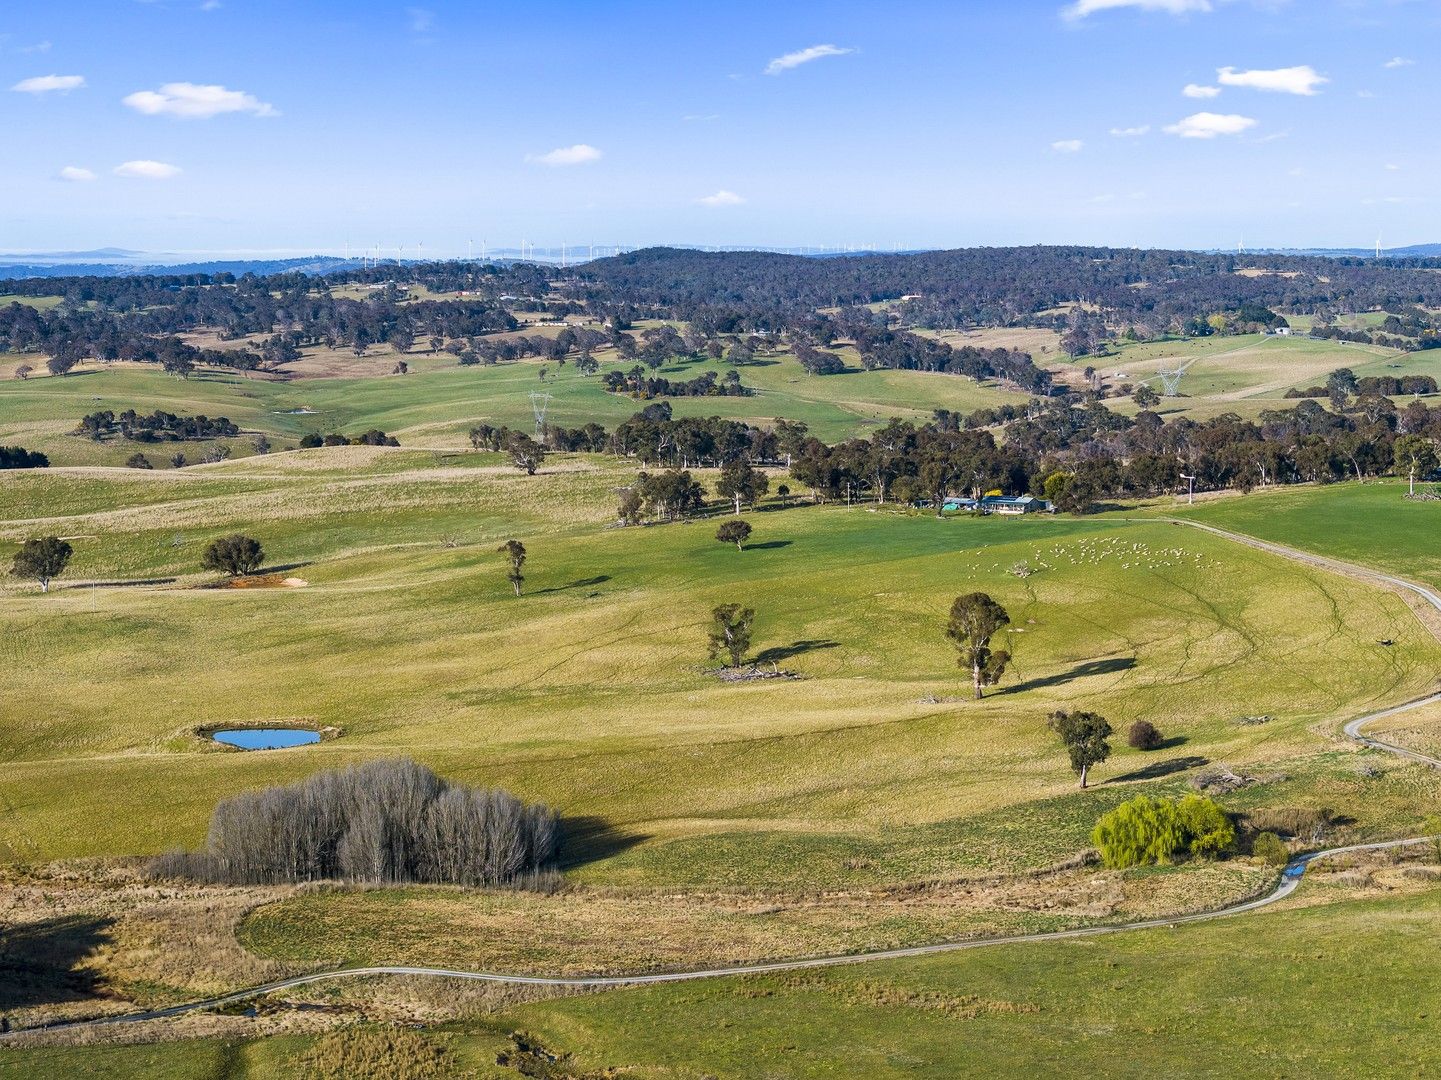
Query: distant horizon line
[[577, 254]]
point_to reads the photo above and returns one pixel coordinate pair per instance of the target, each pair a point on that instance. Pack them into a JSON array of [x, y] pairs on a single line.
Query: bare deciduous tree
[[383, 822]]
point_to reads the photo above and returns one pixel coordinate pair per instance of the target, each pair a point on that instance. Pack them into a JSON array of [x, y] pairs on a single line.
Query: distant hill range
[[1414, 251], [121, 262]]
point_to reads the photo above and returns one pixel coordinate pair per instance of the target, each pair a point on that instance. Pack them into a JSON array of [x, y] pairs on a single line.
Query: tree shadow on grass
[[587, 839], [1158, 769], [40, 962], [1080, 671], [583, 583], [777, 653], [282, 568], [134, 583], [769, 545]]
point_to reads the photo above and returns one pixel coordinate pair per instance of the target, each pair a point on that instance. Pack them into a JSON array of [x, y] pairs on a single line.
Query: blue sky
[[261, 125]]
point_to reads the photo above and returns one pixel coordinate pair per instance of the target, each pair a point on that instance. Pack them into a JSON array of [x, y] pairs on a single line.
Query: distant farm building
[[1005, 504], [996, 504]]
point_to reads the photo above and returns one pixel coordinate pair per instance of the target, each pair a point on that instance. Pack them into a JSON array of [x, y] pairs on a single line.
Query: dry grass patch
[[94, 938], [584, 931]]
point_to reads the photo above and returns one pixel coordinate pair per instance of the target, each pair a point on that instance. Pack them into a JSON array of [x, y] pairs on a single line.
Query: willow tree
[[975, 619]]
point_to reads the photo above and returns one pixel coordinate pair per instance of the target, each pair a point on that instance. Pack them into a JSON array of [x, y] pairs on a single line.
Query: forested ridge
[[741, 306]]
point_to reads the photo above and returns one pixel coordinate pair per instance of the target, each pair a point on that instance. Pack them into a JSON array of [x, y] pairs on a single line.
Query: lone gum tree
[[730, 633], [734, 532], [975, 618], [1415, 455], [1084, 735], [42, 559], [515, 551], [235, 555]]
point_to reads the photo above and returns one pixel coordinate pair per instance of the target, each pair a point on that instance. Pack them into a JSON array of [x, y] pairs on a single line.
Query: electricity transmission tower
[[1171, 381], [539, 402]]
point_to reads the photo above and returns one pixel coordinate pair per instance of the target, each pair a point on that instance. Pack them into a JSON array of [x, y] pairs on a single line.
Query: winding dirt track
[[1290, 877]]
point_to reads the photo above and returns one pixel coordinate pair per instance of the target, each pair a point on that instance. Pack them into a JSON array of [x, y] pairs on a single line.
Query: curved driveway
[[1290, 878]]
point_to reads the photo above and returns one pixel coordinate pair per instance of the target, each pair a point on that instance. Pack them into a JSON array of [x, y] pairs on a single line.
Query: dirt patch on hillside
[[259, 581]]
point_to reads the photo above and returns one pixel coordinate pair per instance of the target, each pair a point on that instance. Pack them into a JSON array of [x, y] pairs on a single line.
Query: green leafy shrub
[[1207, 826], [1144, 735], [1148, 829], [1271, 848]]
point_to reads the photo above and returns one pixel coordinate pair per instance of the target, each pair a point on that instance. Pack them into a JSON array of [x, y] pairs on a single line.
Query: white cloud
[[804, 56], [44, 84], [191, 101], [579, 154], [1130, 132], [422, 20], [147, 170], [721, 198], [1081, 8], [75, 174], [38, 47], [1302, 79], [1196, 90], [1398, 62], [1067, 146], [1207, 125], [691, 118]]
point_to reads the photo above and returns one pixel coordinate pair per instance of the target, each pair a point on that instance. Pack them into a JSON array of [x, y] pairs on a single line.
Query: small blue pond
[[266, 738]]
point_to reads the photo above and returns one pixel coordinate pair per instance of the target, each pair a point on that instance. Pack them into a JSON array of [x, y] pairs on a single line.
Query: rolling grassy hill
[[438, 402]]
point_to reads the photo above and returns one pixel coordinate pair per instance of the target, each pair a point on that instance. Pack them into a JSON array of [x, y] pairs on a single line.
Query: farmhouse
[[1005, 504]]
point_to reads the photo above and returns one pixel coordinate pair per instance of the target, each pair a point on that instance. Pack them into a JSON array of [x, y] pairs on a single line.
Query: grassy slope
[[1246, 374], [438, 402], [1370, 524], [1334, 990], [587, 693]]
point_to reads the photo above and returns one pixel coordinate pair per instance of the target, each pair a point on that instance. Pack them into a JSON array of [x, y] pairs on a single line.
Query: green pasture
[[439, 401], [1371, 524], [591, 691]]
